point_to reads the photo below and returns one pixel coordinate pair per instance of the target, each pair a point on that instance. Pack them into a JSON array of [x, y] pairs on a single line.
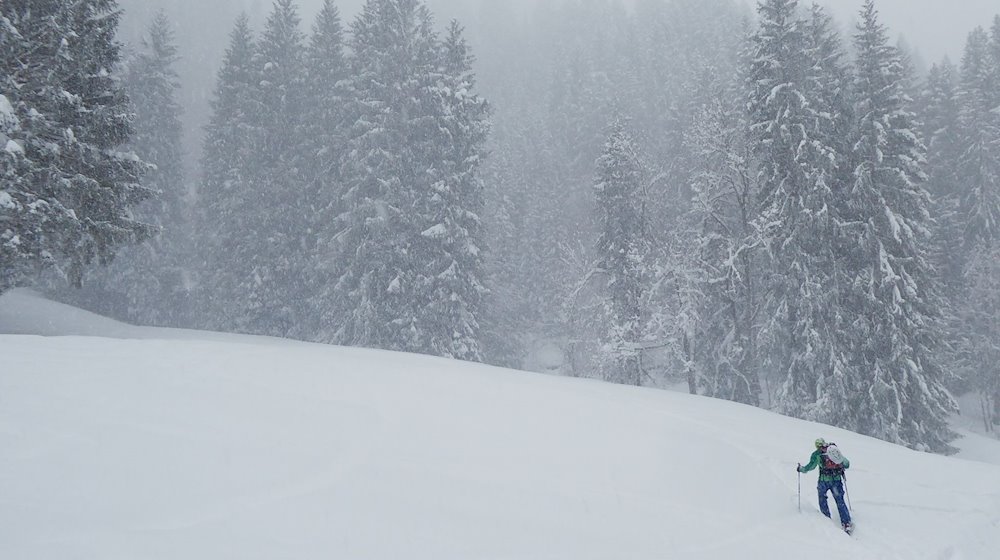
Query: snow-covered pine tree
[[146, 284], [938, 108], [978, 347], [979, 163], [324, 134], [831, 97], [402, 179], [622, 249], [453, 285], [282, 209], [792, 71], [159, 294], [899, 394], [823, 241], [979, 213], [68, 187], [227, 206], [939, 111]]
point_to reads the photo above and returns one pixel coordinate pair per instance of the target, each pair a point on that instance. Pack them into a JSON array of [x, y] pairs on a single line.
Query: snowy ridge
[[151, 443]]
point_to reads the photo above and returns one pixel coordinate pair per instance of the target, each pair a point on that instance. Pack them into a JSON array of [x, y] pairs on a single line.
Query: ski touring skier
[[832, 465]]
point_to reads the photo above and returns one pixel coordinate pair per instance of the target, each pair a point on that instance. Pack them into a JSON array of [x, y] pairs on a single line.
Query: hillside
[[124, 442]]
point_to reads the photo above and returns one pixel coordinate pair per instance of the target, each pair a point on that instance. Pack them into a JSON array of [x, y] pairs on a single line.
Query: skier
[[831, 474]]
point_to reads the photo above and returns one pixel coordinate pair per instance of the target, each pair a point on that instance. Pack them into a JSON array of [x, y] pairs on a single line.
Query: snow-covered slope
[[158, 444]]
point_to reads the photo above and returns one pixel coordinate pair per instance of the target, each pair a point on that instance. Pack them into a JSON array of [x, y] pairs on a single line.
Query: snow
[[435, 231], [6, 109], [13, 148], [128, 442]]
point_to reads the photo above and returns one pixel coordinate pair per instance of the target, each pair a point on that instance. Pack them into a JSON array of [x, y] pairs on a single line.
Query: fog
[[931, 28]]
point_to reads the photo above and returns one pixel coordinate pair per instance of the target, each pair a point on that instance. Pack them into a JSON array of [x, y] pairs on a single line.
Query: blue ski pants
[[837, 487]]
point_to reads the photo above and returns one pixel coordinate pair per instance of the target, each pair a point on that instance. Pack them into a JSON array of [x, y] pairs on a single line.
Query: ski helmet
[[820, 442]]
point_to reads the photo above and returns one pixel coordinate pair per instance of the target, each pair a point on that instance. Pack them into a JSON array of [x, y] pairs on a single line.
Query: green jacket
[[816, 460]]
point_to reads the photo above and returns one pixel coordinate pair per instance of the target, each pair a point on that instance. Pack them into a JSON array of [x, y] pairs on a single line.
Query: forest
[[759, 204]]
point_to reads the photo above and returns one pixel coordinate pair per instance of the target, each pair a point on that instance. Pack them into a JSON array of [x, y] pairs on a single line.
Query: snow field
[[179, 444]]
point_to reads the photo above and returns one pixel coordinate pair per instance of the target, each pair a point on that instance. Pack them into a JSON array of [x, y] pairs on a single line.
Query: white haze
[[931, 28]]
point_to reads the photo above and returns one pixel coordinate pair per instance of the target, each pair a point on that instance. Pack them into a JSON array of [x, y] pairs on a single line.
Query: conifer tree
[[622, 250], [797, 213], [938, 105], [324, 132], [68, 185], [939, 109], [147, 284], [978, 346], [409, 231], [896, 379], [454, 283], [979, 162], [228, 204], [979, 213], [282, 211]]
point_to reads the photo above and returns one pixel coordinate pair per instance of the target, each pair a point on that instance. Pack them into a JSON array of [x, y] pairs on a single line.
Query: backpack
[[832, 458]]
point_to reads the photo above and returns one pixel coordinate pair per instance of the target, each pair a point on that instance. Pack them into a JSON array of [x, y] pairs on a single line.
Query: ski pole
[[846, 495], [799, 470]]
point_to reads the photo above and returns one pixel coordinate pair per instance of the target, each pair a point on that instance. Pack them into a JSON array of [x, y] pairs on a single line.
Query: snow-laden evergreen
[[227, 205], [979, 161], [897, 381], [939, 109], [148, 284], [794, 66], [978, 217], [323, 136], [281, 203], [622, 252], [409, 233], [69, 181]]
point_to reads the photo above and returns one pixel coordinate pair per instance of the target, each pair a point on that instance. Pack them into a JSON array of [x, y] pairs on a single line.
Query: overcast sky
[[933, 28]]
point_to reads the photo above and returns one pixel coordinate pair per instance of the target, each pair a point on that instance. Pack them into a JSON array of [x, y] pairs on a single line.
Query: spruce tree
[[324, 132], [979, 162], [939, 111], [792, 70], [454, 283], [147, 284], [159, 295], [68, 186], [409, 233], [282, 211], [979, 213], [897, 380], [622, 250], [228, 205], [978, 347]]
